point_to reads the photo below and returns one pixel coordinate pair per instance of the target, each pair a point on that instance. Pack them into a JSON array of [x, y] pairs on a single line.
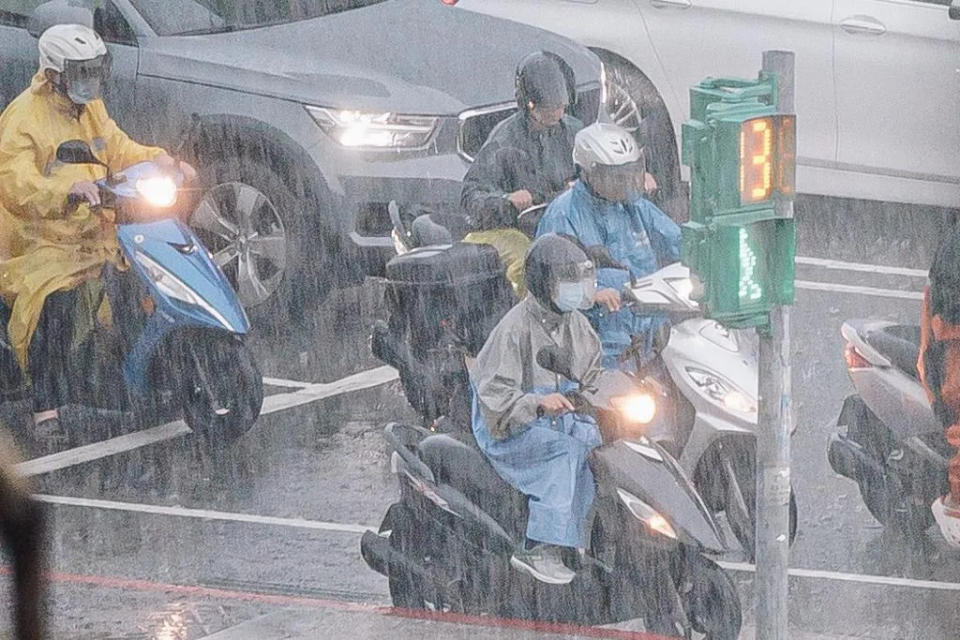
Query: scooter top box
[[458, 264]]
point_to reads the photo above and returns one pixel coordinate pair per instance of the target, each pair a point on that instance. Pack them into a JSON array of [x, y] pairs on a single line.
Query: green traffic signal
[[739, 241]]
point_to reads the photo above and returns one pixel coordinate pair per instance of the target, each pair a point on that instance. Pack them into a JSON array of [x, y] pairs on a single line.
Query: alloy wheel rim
[[245, 235]]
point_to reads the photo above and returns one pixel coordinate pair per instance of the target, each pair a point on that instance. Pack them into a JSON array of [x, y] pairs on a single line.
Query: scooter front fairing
[[186, 287]]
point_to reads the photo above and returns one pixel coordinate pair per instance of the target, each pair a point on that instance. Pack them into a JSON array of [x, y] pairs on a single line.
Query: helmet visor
[[84, 79], [620, 182]]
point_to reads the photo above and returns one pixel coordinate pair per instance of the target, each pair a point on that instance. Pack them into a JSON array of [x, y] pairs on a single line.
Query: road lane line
[[310, 602], [356, 382], [201, 514], [97, 450], [841, 265], [283, 382], [838, 576], [271, 404], [854, 289], [319, 525]]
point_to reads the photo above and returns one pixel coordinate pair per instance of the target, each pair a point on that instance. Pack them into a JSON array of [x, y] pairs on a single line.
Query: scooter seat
[[900, 344], [466, 469]]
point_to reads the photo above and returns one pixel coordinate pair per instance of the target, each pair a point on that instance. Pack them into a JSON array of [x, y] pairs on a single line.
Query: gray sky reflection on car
[[194, 17]]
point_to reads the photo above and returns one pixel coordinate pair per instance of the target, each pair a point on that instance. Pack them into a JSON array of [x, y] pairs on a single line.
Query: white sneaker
[[544, 563], [947, 514]]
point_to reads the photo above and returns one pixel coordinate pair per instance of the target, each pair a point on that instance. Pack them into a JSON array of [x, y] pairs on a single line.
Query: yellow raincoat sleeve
[[121, 152], [23, 186]]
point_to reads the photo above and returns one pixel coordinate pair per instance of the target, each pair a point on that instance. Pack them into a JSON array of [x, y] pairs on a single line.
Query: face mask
[[83, 91], [575, 295]]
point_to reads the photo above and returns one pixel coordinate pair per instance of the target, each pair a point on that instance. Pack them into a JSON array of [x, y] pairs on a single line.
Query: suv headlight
[[721, 391], [360, 129]]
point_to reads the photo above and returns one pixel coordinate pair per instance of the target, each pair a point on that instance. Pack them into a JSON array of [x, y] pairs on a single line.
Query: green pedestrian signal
[[740, 241]]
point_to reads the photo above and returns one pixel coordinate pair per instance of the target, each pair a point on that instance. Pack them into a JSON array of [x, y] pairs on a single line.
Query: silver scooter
[[889, 440], [713, 375]]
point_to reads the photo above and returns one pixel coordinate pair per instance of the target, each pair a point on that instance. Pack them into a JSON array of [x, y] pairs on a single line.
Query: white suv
[[877, 81]]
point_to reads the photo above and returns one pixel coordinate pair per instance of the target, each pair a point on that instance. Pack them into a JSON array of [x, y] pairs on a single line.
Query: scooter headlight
[[646, 514], [720, 391], [637, 408], [172, 286], [159, 191]]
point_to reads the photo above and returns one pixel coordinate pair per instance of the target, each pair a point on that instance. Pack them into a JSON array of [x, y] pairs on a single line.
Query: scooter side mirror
[[76, 152], [557, 360]]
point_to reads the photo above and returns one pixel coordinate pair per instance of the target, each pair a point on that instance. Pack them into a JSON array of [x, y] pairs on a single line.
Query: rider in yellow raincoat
[[53, 232]]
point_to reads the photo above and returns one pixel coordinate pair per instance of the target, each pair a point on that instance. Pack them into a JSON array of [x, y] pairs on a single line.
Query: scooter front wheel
[[711, 599], [222, 390]]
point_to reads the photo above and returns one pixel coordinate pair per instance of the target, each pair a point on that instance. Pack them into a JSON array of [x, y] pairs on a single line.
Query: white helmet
[[78, 54], [604, 143], [63, 42], [610, 162]]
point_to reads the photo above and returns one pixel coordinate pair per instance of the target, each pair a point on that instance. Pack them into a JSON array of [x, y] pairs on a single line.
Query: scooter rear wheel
[[222, 390]]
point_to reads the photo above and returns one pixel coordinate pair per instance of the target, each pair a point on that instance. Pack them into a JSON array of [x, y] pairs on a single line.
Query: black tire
[[293, 280], [886, 502], [222, 390], [712, 601], [653, 131], [741, 503], [406, 590]]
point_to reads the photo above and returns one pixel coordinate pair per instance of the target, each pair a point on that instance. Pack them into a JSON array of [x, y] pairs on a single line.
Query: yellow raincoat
[[48, 246]]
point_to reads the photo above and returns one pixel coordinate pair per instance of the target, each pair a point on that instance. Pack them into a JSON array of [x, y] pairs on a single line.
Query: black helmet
[[544, 78], [552, 259]]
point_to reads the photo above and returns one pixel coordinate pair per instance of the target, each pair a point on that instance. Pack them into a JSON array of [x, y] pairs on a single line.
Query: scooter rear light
[[854, 358]]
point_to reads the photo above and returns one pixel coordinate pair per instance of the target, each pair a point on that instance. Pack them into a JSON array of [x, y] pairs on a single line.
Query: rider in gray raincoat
[[521, 420]]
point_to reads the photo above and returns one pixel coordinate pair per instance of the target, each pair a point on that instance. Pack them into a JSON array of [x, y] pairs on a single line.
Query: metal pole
[[773, 437]]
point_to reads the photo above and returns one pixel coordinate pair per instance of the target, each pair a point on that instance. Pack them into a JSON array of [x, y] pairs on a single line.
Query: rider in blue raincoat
[[521, 420], [606, 207]]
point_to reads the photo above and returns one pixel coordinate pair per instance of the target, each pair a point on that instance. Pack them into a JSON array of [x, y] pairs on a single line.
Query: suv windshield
[[186, 17]]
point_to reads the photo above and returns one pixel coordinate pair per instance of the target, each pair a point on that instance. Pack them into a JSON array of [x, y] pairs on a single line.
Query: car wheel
[[255, 227], [634, 104]]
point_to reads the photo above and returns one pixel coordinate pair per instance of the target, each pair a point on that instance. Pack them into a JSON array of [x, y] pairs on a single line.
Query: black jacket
[[514, 157]]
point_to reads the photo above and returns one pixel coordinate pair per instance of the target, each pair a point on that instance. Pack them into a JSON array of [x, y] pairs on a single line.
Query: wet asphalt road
[[325, 461]]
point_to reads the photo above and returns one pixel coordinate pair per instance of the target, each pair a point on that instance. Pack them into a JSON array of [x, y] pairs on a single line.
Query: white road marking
[[336, 527], [137, 439], [283, 382], [356, 382], [885, 581], [855, 289], [102, 449], [202, 514], [860, 266]]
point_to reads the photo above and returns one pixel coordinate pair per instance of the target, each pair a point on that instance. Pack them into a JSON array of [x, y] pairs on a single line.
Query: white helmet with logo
[[604, 143], [78, 54], [63, 42], [610, 161]]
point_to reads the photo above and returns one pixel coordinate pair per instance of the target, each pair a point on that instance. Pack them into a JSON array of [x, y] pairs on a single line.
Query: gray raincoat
[[544, 458]]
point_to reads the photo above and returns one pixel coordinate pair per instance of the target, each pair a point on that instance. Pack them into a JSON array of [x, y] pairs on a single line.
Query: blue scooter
[[179, 328]]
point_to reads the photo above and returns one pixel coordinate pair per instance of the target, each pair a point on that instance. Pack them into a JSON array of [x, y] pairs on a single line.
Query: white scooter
[[890, 441], [713, 375]]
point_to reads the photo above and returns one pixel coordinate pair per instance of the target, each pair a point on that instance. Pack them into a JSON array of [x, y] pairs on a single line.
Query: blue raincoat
[[543, 457], [636, 234]]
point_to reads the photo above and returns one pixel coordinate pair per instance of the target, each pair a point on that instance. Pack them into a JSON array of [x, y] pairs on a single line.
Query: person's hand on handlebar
[[610, 298], [84, 191], [170, 164], [555, 404]]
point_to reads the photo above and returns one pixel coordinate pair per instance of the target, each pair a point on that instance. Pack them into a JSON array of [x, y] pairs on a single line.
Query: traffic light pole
[[773, 437]]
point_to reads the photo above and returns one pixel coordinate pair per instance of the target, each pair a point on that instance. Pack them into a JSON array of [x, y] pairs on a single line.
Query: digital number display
[[767, 158]]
